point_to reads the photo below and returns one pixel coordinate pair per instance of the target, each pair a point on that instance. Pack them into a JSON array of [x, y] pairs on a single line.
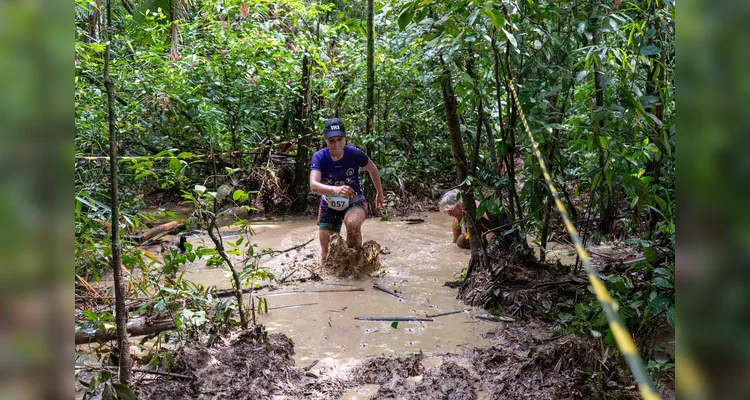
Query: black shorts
[[331, 220]]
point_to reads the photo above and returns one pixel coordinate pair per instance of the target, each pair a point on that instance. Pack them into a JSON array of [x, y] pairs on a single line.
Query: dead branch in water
[[163, 228], [316, 291], [384, 290], [137, 327], [141, 370], [447, 313], [277, 252], [294, 306], [394, 319]]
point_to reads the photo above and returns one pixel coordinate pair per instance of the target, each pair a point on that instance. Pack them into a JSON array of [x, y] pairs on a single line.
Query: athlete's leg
[[353, 221]]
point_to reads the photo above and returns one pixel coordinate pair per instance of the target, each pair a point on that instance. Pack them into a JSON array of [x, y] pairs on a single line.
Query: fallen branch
[[141, 370], [282, 280], [618, 266], [163, 228], [543, 284], [316, 291], [311, 365], [230, 292], [137, 327], [287, 250], [294, 306], [384, 290], [447, 313], [394, 319]]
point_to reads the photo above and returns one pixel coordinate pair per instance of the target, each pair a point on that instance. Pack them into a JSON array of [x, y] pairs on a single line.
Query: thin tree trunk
[[219, 245], [303, 125], [121, 311], [459, 157], [94, 21], [606, 202], [654, 81], [174, 50], [370, 106]]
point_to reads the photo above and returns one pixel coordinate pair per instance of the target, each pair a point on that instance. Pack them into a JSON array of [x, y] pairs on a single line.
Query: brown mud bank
[[524, 362]]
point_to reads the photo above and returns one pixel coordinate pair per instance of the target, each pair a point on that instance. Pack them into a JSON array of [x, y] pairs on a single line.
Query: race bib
[[337, 203]]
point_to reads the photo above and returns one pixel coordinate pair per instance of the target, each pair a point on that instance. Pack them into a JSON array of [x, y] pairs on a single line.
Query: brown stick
[[141, 370], [294, 306], [163, 228], [138, 327], [315, 291], [287, 250]]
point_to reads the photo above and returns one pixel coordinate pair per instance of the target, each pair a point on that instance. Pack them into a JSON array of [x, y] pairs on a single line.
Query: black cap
[[333, 127]]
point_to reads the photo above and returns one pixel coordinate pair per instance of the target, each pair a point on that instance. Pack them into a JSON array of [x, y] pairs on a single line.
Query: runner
[[334, 173]]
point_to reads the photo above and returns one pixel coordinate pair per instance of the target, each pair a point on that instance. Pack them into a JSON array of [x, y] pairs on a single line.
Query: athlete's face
[[336, 144]]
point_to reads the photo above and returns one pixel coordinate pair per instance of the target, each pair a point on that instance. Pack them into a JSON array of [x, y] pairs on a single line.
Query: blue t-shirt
[[342, 172]]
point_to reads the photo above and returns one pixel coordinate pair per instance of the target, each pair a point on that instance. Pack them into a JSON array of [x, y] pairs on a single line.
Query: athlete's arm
[[372, 169], [316, 186]]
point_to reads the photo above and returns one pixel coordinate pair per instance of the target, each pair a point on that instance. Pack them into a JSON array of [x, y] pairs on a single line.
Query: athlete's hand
[[379, 200], [343, 191]]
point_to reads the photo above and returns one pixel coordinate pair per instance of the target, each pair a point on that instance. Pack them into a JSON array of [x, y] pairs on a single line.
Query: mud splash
[[344, 262]]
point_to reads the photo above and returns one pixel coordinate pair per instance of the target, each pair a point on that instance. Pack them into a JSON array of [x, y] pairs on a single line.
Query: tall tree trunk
[[606, 202], [174, 50], [653, 83], [301, 187], [94, 18], [121, 310], [459, 157], [370, 106]]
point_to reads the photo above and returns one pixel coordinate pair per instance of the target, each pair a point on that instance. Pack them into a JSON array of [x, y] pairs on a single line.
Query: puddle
[[418, 260]]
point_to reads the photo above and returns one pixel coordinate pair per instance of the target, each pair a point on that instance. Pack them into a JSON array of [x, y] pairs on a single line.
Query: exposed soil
[[526, 363]]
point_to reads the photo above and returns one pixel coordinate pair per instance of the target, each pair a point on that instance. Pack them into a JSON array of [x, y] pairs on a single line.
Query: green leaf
[[671, 317], [175, 165], [405, 17], [659, 304], [650, 254], [384, 219], [394, 324], [662, 283], [650, 50], [200, 189], [473, 17], [124, 392], [604, 142], [492, 17], [581, 75], [510, 37]]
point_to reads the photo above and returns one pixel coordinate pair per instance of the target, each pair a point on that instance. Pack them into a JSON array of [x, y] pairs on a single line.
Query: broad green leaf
[[492, 17], [671, 317], [510, 38], [662, 283], [405, 17], [124, 392], [394, 324], [604, 142], [659, 304], [175, 165], [581, 75], [650, 50], [473, 17]]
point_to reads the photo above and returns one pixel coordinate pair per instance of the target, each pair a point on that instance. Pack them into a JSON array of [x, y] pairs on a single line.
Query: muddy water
[[418, 259]]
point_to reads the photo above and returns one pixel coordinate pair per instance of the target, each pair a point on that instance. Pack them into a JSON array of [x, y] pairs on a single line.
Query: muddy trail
[[335, 337]]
